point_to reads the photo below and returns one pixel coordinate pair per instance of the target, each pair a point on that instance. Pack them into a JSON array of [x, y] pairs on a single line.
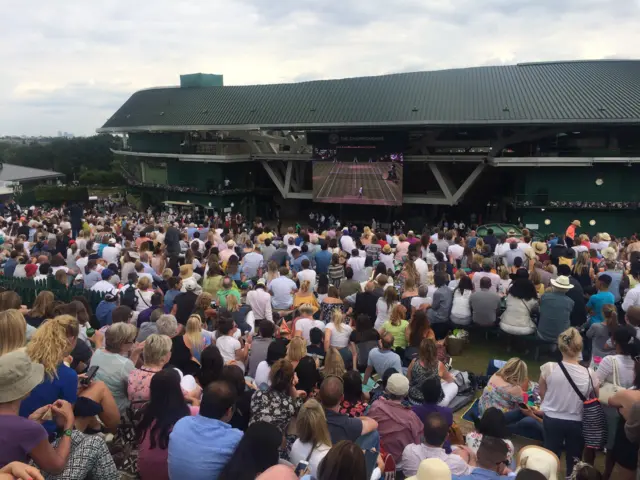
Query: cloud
[[69, 65]]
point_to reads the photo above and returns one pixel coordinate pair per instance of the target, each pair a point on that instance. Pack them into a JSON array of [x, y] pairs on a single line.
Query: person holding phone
[[50, 346]]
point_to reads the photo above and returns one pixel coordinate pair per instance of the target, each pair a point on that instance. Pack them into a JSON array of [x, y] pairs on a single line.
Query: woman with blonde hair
[[314, 441], [296, 350], [506, 387], [50, 346], [536, 279], [333, 364], [117, 360], [272, 272], [583, 270], [13, 331], [561, 405], [193, 338], [41, 310], [425, 367], [384, 306], [396, 326], [239, 313], [337, 332], [305, 296], [144, 292]]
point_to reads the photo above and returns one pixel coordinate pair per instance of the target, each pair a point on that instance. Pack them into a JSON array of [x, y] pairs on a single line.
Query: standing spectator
[[555, 310], [441, 307], [561, 405]]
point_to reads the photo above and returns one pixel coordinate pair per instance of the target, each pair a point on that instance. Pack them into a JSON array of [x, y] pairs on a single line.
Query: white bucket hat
[[539, 459], [562, 282]]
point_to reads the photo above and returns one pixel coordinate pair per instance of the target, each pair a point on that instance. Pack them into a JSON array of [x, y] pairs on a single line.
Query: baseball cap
[[398, 385], [107, 274]]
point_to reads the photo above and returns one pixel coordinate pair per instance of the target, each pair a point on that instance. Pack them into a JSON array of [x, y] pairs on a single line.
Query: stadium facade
[[543, 142]]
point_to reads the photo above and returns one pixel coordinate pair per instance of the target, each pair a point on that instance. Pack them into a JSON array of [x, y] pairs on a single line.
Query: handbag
[[594, 422], [608, 389]]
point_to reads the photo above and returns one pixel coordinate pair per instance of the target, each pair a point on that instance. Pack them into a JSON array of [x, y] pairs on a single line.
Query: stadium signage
[[390, 141]]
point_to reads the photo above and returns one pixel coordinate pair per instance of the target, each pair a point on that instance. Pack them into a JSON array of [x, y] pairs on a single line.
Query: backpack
[[129, 298]]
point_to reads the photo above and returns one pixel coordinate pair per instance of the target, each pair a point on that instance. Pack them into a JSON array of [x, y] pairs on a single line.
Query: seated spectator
[[281, 401], [305, 297], [175, 286], [74, 455], [316, 347], [349, 286], [330, 303], [193, 337], [239, 313], [276, 351], [201, 446], [384, 306], [229, 345], [354, 402], [461, 307], [491, 461], [156, 354], [382, 358], [228, 288], [428, 366], [362, 340], [422, 301], [396, 326], [50, 346], [234, 375], [13, 331], [484, 304], [441, 306], [117, 360], [309, 377], [345, 460], [492, 424], [544, 462], [104, 310], [432, 469], [418, 329], [259, 301], [555, 310], [296, 350], [362, 430], [304, 323], [397, 425], [211, 366], [166, 405], [156, 304], [256, 452], [333, 364], [42, 309], [150, 327], [436, 430], [282, 288], [313, 442], [259, 346], [432, 394], [522, 301]]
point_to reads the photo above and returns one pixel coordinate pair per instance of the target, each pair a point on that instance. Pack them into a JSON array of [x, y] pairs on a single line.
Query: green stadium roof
[[606, 91]]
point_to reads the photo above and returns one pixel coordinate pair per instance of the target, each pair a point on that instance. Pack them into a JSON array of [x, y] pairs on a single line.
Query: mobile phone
[[301, 468], [213, 304], [523, 405], [91, 373]]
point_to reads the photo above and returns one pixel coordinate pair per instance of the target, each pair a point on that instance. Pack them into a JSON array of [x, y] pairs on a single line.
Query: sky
[[67, 65]]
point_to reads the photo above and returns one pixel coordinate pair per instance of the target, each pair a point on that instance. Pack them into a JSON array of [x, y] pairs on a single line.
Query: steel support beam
[[467, 183], [445, 183], [274, 177], [287, 177], [428, 199]]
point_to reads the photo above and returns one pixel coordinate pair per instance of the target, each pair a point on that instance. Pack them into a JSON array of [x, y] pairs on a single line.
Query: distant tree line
[[87, 160]]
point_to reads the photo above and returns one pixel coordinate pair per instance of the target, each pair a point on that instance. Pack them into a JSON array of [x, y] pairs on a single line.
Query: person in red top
[[382, 239], [571, 229]]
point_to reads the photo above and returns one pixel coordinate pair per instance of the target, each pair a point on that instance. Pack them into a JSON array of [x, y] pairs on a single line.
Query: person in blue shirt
[[323, 258], [600, 299], [492, 461], [10, 264], [296, 265], [175, 284], [201, 446]]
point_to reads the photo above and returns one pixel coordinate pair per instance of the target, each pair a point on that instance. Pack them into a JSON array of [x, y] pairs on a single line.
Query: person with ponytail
[[50, 346]]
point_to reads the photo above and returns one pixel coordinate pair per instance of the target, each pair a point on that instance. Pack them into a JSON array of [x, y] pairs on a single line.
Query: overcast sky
[[67, 65]]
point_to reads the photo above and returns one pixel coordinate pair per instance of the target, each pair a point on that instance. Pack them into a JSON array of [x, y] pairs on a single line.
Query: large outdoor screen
[[357, 175]]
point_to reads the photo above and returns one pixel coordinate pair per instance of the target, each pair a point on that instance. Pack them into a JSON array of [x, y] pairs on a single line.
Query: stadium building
[[545, 143]]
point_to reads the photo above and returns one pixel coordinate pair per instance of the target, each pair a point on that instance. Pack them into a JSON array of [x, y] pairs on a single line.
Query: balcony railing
[[574, 201]]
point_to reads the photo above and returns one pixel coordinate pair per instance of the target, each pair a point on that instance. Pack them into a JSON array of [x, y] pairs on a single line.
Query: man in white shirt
[[356, 262], [260, 302], [307, 274], [111, 252], [422, 268], [346, 242], [456, 250], [196, 238], [252, 263], [486, 272], [305, 323], [283, 289], [104, 285]]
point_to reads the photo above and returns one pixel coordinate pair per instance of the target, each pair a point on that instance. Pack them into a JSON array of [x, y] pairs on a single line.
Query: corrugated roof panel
[[534, 93]]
